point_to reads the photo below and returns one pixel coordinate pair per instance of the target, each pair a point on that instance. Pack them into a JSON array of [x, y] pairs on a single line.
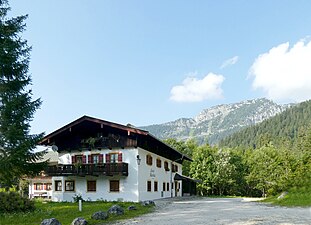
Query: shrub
[[13, 202], [77, 197]]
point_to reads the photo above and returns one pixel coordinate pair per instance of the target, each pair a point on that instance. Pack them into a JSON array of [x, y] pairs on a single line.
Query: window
[[91, 185], [38, 186], [48, 186], [167, 186], [155, 188], [58, 185], [95, 159], [114, 157], [69, 185], [114, 185], [149, 185], [174, 168], [166, 166], [149, 160], [159, 163], [79, 159], [163, 187]]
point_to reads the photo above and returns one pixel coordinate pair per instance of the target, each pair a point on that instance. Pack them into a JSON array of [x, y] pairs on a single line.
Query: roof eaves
[[95, 120], [183, 156]]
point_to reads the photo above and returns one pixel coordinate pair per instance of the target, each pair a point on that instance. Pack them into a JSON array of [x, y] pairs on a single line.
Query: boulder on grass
[[147, 203], [116, 209], [100, 215], [79, 221], [51, 221], [132, 207]]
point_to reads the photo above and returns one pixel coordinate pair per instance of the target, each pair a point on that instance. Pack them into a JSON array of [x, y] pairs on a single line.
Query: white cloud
[[284, 73], [196, 90], [229, 62]]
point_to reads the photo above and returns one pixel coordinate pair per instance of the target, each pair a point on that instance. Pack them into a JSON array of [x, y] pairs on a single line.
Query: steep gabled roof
[[86, 125], [44, 141]]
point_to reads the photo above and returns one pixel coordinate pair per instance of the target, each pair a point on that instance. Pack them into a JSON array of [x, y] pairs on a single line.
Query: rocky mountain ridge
[[215, 123]]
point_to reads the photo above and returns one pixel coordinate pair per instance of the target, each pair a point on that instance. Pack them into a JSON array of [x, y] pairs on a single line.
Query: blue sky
[[149, 62]]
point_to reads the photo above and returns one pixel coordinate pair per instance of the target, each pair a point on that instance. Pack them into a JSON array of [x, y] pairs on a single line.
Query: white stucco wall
[[153, 173], [132, 187], [44, 193], [128, 184]]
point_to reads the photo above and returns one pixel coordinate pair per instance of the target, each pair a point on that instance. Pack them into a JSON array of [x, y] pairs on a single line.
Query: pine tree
[[16, 106]]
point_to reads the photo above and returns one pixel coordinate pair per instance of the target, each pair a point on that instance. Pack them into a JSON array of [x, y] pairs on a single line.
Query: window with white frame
[[58, 185], [69, 185], [95, 159]]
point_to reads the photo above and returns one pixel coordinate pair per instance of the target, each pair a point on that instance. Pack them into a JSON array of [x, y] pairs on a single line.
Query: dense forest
[[284, 127], [263, 171], [265, 159]]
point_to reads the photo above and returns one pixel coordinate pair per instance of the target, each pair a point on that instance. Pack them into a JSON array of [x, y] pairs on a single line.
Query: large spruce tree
[[17, 108]]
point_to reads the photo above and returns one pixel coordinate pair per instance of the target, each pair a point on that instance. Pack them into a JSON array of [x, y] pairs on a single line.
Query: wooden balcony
[[106, 169]]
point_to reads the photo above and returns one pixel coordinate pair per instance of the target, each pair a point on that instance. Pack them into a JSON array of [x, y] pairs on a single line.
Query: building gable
[[87, 133]]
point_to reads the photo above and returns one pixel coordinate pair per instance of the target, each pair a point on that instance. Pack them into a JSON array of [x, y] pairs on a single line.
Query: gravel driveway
[[233, 211]]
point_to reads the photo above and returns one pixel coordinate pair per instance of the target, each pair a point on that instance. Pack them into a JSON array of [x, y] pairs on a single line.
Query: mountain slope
[[285, 126], [215, 123]]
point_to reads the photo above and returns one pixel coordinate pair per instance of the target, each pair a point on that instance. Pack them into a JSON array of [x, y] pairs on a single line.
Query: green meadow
[[66, 212]]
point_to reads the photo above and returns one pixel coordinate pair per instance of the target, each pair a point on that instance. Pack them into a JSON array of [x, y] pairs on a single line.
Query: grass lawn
[[295, 197], [67, 212]]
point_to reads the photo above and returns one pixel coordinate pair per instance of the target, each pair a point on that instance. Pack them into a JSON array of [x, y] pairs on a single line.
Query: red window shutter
[[84, 159], [120, 157], [73, 159], [101, 158], [107, 158], [44, 186], [89, 159]]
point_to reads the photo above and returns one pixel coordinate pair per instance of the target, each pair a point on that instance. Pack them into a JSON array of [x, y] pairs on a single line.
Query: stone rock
[[79, 221], [100, 215], [147, 203], [51, 221], [283, 195], [132, 207], [116, 209]]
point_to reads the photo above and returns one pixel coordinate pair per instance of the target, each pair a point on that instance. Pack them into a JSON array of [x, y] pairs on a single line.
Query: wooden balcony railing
[[106, 169]]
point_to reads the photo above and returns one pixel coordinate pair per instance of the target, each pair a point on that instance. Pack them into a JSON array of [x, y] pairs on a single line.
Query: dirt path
[[232, 211]]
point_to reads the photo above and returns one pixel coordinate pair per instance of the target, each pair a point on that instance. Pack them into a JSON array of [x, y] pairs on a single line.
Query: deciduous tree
[[185, 147]]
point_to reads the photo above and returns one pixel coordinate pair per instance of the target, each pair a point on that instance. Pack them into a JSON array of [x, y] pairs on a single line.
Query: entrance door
[[176, 188]]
